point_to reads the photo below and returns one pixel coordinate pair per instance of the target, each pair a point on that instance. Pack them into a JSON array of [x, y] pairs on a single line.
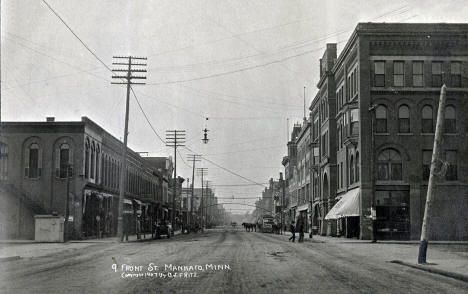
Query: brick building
[[373, 122], [34, 179]]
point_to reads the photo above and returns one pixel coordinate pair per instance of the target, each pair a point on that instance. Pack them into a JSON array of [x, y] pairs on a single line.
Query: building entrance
[[393, 214]]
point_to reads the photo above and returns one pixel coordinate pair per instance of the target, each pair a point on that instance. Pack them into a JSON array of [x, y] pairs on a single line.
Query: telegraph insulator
[[205, 136]]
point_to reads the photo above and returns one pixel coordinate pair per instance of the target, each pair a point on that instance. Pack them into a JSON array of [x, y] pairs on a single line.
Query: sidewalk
[[16, 249], [448, 258]]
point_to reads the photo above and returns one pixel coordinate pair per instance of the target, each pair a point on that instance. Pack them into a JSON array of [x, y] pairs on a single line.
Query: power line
[[79, 39]]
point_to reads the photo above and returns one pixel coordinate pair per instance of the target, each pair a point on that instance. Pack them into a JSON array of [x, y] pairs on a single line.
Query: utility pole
[[175, 138], [373, 173], [431, 184], [126, 80], [193, 158], [208, 204], [202, 171]]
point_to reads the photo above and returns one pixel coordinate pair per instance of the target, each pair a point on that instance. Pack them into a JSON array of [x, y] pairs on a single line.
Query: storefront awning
[[138, 201], [347, 206], [303, 207]]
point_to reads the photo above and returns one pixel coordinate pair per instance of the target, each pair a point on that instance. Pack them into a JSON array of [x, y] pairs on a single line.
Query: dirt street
[[220, 261]]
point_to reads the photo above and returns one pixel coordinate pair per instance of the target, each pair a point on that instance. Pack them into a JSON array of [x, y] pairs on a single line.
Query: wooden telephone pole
[[175, 138], [431, 184], [202, 171], [126, 80], [193, 158]]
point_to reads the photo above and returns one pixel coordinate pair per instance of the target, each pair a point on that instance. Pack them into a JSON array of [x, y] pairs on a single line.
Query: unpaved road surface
[[222, 261]]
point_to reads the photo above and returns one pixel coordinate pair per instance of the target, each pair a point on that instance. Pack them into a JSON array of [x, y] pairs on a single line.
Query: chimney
[[50, 119]]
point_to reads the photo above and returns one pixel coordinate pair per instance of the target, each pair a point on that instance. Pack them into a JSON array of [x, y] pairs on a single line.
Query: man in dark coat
[[293, 232], [300, 228]]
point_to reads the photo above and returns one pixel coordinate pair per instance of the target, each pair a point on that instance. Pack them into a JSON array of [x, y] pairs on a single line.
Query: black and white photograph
[[234, 146]]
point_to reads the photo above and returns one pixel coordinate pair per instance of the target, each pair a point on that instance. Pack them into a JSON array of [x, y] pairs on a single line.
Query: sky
[[243, 64]]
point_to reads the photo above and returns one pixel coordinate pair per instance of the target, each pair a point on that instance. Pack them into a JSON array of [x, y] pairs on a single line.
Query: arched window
[[389, 165], [86, 159], [381, 119], [351, 170], [427, 119], [97, 163], [33, 161], [64, 161], [450, 120], [93, 160], [357, 166], [403, 119]]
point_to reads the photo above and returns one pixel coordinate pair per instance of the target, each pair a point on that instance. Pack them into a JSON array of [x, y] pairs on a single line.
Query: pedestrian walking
[[293, 232], [300, 228]]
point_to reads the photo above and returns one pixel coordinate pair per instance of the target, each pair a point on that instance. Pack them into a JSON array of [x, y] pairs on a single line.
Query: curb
[[10, 258], [452, 275]]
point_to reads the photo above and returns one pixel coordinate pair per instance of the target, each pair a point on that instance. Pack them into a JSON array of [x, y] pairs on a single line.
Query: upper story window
[[398, 73], [325, 144], [86, 159], [381, 119], [427, 119], [450, 123], [389, 165], [93, 160], [426, 164], [418, 74], [351, 170], [98, 153], [354, 121], [33, 161], [451, 159], [455, 74], [64, 161], [436, 74], [379, 73], [403, 119]]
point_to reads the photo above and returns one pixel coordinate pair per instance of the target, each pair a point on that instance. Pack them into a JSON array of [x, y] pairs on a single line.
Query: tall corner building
[[373, 123]]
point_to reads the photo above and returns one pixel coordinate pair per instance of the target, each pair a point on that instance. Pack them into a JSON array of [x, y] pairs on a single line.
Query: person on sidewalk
[[293, 232], [300, 228]]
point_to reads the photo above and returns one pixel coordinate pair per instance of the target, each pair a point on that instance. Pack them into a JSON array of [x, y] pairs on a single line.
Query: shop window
[[436, 74], [455, 74], [451, 159], [33, 161], [3, 161], [379, 73], [450, 124], [389, 165], [398, 73], [381, 119], [403, 119], [426, 164], [418, 74], [427, 119]]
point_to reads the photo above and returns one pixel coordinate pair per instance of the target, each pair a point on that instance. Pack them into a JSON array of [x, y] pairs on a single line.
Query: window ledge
[[32, 179], [382, 134], [405, 134], [451, 134], [427, 134]]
